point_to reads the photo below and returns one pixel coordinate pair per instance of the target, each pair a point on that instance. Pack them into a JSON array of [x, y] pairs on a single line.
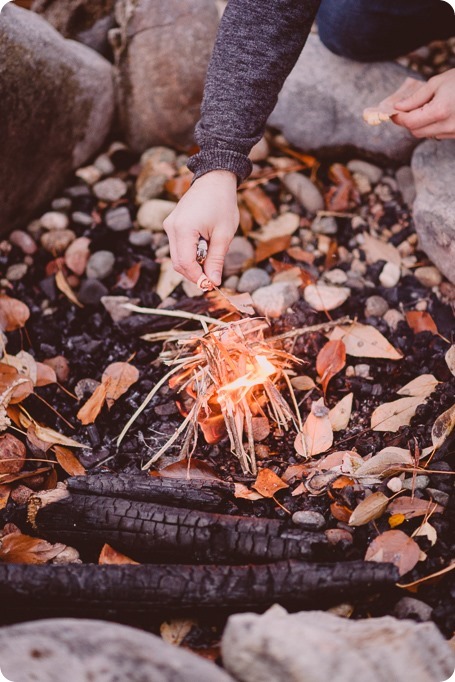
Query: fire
[[258, 371]]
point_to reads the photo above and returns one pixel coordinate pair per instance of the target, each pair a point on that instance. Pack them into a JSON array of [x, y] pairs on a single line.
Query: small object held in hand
[[201, 252], [204, 283]]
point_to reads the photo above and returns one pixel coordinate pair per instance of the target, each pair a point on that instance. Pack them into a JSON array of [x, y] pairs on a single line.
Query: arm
[[257, 45]]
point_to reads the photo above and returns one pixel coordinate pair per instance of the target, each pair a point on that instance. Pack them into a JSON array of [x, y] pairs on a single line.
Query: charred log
[[152, 532]]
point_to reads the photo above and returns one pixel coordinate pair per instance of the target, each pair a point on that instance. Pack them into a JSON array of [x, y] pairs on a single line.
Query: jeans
[[372, 30]]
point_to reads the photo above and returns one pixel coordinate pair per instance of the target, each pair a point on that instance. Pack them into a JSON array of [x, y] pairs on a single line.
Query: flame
[[259, 371]]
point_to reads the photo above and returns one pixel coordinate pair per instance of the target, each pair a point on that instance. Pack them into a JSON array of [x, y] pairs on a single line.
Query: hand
[[430, 110], [208, 209]]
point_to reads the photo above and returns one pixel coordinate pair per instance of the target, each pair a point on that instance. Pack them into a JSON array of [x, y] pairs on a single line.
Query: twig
[[174, 313], [314, 328]]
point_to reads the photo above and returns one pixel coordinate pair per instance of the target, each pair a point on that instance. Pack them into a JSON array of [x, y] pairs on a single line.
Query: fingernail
[[215, 277]]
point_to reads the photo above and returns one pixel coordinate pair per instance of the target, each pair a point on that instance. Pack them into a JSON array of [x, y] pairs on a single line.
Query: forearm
[[257, 45]]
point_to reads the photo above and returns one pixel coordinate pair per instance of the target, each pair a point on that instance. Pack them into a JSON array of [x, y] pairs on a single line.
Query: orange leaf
[[331, 359], [317, 433], [13, 313], [121, 377], [268, 483], [65, 288], [271, 247], [109, 555], [129, 278], [396, 520], [12, 454], [394, 547], [184, 469], [5, 491], [340, 512], [77, 255], [68, 461], [179, 185], [421, 321], [10, 380], [258, 203], [16, 548], [91, 409], [45, 375], [414, 506]]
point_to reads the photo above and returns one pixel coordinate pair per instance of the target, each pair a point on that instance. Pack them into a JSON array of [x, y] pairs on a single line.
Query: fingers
[[427, 115], [418, 98], [218, 247], [183, 247]]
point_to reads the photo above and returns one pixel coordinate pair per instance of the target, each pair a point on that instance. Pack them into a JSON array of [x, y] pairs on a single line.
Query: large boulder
[[84, 20], [322, 101], [315, 647], [56, 108], [161, 52], [81, 650], [433, 167]]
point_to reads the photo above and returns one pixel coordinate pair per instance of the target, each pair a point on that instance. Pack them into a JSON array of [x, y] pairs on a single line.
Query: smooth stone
[[372, 172], [160, 106], [140, 238], [336, 276], [393, 318], [417, 610], [418, 483], [260, 151], [104, 164], [71, 87], [83, 650], [309, 519], [154, 212], [406, 185], [149, 186], [110, 189], [91, 292], [375, 306], [23, 241], [390, 275], [324, 225], [118, 219], [57, 241], [53, 220], [158, 155], [306, 193], [240, 254], [89, 174], [100, 265], [16, 272], [81, 218], [61, 204], [313, 646], [253, 279], [275, 299], [362, 183], [362, 370], [321, 104], [434, 218], [231, 282], [428, 275]]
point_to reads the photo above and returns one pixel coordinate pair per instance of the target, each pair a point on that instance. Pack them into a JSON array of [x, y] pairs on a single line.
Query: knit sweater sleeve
[[257, 45]]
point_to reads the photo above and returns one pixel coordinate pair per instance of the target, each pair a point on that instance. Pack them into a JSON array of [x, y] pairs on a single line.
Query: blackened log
[[89, 589], [152, 532], [209, 495]]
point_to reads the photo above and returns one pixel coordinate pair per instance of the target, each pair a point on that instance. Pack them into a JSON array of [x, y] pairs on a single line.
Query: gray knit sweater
[[257, 45]]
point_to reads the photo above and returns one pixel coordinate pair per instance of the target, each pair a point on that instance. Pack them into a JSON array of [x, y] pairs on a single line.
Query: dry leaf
[[174, 631], [364, 341], [426, 530], [303, 383], [273, 246], [5, 491], [48, 435], [16, 548], [297, 253], [68, 461], [317, 433], [371, 508], [340, 414], [396, 520], [65, 288], [268, 483], [421, 321], [12, 454], [331, 360], [168, 280], [450, 359], [91, 409], [325, 297], [244, 493], [394, 547], [259, 204], [283, 226], [376, 249], [443, 427], [392, 416], [384, 461], [294, 472], [45, 375], [193, 468], [433, 577], [340, 512], [13, 313], [13, 387], [109, 556], [121, 375], [60, 366], [421, 386], [243, 303], [24, 363], [129, 278], [414, 506], [77, 255]]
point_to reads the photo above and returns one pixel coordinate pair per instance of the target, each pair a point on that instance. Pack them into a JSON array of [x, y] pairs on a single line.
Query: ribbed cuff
[[220, 159]]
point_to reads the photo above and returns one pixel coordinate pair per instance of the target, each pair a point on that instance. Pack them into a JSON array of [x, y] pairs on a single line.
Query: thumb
[[417, 99], [218, 247]]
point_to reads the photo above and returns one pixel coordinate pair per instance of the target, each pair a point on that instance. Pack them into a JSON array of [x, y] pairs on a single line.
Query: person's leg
[[371, 30]]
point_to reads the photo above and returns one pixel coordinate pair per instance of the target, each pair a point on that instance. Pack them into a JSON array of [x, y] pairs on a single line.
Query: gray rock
[[393, 317], [118, 219], [61, 204], [275, 299], [100, 265], [99, 651], [57, 241], [434, 175], [373, 173], [54, 220], [240, 254], [315, 647], [91, 292], [309, 519], [306, 193], [418, 483], [231, 282], [390, 275], [161, 105], [428, 276], [408, 607], [140, 238], [260, 151], [153, 213], [104, 164], [23, 241], [253, 279], [324, 225], [72, 89], [406, 185], [81, 218], [321, 105], [110, 189], [375, 306], [16, 272]]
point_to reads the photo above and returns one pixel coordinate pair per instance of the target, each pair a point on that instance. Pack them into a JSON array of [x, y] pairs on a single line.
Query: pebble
[[16, 272], [324, 225], [260, 151], [231, 282], [238, 257], [372, 172], [390, 275], [158, 155], [61, 204], [375, 306], [306, 193], [162, 251], [104, 164], [406, 185], [81, 218], [115, 306], [149, 186], [362, 183], [111, 189], [429, 276], [23, 241], [439, 496], [140, 238], [358, 267], [409, 607], [253, 279], [393, 317], [54, 220], [89, 174], [395, 484], [57, 241], [154, 212], [309, 519], [91, 292], [275, 299], [418, 483], [384, 192], [336, 276], [118, 219], [362, 370], [100, 265]]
